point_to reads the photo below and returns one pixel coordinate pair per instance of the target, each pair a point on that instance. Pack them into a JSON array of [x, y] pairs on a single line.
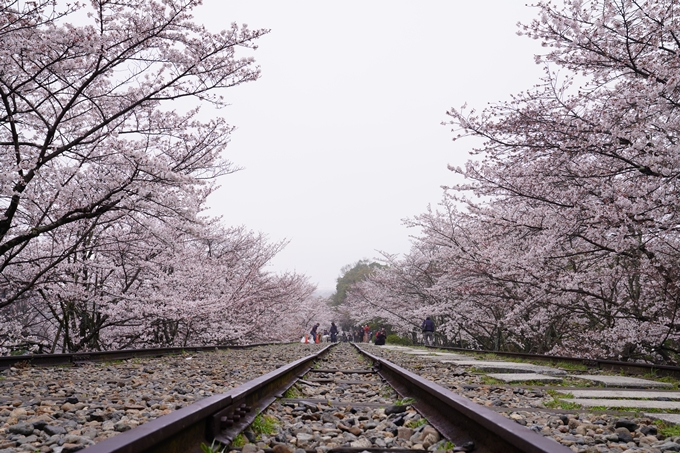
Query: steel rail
[[76, 358], [220, 417], [461, 420], [610, 365]]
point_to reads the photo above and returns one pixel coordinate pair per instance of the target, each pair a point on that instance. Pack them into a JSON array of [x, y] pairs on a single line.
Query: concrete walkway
[[497, 366], [428, 354], [622, 381], [524, 377], [621, 394], [507, 367], [671, 418], [639, 404]]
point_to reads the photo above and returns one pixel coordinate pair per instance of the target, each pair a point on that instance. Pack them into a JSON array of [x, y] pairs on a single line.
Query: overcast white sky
[[341, 138]]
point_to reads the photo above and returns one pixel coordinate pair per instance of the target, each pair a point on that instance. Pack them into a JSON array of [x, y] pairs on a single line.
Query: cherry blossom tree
[[104, 178], [87, 128], [567, 240]]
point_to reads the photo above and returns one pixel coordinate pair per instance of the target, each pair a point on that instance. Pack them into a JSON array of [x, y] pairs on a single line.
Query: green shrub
[[396, 339], [239, 441], [264, 424], [667, 429], [212, 448], [413, 424], [292, 392]]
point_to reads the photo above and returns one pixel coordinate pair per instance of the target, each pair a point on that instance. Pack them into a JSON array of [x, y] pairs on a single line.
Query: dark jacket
[[428, 325], [380, 337]]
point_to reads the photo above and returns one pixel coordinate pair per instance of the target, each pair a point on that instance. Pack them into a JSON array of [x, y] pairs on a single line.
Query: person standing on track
[[428, 331], [334, 333], [312, 333]]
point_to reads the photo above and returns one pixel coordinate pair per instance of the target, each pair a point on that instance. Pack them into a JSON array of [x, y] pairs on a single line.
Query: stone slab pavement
[[434, 355], [440, 356], [521, 377], [638, 404], [621, 381], [671, 418], [507, 367], [417, 352], [447, 356], [612, 393]]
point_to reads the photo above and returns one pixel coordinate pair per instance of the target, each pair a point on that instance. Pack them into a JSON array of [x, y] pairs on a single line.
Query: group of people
[[365, 335], [317, 337]]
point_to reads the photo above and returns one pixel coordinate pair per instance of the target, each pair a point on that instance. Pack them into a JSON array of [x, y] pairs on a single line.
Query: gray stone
[[24, 429], [631, 426], [349, 437], [121, 427], [73, 439], [507, 367], [639, 404], [622, 394], [648, 430], [522, 377], [622, 381], [39, 424], [97, 416], [395, 409], [361, 443], [404, 433], [304, 437], [668, 446], [28, 439], [624, 435], [249, 448], [54, 429]]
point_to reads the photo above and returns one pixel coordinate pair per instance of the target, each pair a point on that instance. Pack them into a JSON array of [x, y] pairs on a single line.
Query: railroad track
[[336, 401], [345, 416]]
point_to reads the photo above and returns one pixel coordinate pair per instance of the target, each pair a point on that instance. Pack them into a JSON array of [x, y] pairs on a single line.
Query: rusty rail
[[100, 356], [219, 417], [459, 419]]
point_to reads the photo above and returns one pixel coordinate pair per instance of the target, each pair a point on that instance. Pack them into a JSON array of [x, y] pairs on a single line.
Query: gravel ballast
[[65, 409]]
